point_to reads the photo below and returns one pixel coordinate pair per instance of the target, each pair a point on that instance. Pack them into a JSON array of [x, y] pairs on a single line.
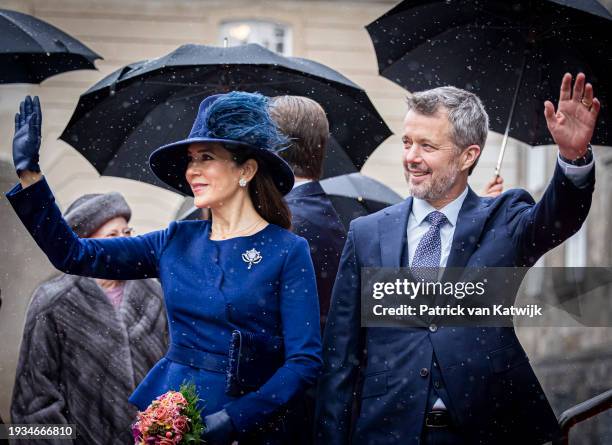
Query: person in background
[[304, 122], [313, 216], [494, 187], [88, 343]]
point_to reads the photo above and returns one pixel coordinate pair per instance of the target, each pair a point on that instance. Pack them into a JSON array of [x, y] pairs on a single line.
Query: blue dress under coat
[[209, 290]]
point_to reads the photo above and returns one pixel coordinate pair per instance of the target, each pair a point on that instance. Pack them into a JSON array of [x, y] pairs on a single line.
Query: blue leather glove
[[219, 429], [26, 142]]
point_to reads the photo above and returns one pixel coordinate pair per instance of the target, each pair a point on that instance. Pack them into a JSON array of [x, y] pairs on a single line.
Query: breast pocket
[[375, 385], [375, 381]]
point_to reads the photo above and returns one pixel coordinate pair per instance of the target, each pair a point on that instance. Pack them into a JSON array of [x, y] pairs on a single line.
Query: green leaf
[[194, 436]]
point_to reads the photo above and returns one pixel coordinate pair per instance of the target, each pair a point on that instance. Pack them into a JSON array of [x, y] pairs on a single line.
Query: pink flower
[[162, 413], [163, 422], [180, 424]]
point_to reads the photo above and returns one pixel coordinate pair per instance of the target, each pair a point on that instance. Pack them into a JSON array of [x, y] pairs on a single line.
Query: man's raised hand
[[572, 124]]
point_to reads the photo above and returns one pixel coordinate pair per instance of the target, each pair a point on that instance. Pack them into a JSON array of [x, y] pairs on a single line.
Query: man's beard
[[438, 189]]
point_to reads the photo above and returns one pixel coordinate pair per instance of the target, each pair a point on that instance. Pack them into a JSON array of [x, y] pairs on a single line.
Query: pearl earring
[[242, 182]]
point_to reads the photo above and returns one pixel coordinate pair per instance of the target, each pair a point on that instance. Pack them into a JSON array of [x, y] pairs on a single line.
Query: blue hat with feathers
[[240, 122]]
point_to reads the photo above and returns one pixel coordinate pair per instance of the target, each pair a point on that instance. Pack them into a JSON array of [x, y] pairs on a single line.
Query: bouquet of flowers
[[171, 419]]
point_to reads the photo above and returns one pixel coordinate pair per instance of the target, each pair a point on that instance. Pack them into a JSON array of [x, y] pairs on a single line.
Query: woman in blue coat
[[244, 271]]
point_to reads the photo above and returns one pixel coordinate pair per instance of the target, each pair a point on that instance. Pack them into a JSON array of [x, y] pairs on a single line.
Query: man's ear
[[469, 156]]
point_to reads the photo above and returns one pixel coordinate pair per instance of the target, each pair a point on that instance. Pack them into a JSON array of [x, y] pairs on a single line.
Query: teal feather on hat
[[244, 117]]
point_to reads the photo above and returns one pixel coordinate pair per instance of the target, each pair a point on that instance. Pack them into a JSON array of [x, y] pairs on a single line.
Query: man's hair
[[466, 114], [304, 122]]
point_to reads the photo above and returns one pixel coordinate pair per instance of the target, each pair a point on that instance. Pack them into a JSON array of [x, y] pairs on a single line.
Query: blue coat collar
[[312, 188], [392, 233]]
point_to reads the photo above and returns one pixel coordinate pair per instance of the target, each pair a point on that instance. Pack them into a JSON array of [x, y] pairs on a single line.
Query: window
[[576, 249], [534, 280], [536, 160], [273, 36]]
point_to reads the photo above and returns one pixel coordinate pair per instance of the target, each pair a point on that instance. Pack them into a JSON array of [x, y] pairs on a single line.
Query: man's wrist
[[580, 160]]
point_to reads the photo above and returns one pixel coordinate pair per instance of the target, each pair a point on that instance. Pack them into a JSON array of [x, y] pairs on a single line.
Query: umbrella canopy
[[32, 50], [192, 213], [512, 54], [123, 118], [355, 195]]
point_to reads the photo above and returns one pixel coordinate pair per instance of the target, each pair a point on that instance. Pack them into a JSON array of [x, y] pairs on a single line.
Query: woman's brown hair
[[266, 198]]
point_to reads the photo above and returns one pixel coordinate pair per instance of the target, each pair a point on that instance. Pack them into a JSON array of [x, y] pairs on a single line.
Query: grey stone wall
[[574, 364]]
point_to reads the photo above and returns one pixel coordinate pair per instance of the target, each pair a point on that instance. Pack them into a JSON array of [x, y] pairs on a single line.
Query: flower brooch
[[251, 257]]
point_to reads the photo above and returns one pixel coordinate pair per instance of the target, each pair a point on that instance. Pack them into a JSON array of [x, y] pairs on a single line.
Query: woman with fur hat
[[87, 343], [240, 289]]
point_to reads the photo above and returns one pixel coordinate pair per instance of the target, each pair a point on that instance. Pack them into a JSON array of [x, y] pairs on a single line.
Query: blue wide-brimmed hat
[[241, 122]]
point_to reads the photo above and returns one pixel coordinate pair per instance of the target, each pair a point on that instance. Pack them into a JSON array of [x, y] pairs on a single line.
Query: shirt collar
[[421, 208], [298, 183]]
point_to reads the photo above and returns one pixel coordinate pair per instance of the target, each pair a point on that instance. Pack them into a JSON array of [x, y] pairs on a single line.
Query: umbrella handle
[[502, 151]]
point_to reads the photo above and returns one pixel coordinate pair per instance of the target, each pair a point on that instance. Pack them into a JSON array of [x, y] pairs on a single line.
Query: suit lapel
[[471, 221], [392, 233]]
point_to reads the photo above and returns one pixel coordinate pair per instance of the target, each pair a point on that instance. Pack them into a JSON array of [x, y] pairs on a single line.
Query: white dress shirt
[[296, 184], [418, 226]]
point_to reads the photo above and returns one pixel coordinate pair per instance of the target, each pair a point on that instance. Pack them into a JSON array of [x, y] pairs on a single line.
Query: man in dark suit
[[450, 385], [313, 215]]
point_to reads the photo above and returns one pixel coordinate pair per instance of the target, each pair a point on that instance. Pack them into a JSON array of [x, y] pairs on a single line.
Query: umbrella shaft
[[507, 131]]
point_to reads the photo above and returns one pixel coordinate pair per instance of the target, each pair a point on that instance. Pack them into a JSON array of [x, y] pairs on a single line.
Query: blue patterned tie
[[429, 249]]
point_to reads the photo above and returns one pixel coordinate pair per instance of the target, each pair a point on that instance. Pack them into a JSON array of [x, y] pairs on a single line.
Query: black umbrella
[[192, 213], [187, 211], [32, 50], [123, 118], [513, 54], [355, 195]]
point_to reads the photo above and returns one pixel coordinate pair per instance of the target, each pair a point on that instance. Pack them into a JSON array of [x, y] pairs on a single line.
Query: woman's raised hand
[[26, 142]]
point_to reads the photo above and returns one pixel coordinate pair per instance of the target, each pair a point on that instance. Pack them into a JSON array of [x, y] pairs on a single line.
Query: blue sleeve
[[341, 352], [537, 228], [299, 309], [121, 258]]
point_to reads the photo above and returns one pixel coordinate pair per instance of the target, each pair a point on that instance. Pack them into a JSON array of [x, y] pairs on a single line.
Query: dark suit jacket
[[314, 218], [494, 396]]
